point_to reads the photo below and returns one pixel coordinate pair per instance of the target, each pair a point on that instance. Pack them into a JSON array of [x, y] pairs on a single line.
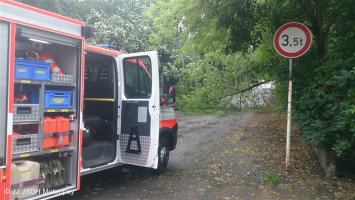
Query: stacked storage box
[[25, 138], [49, 129], [26, 112], [25, 143], [63, 128], [63, 78], [30, 69], [56, 132], [57, 99], [29, 109]]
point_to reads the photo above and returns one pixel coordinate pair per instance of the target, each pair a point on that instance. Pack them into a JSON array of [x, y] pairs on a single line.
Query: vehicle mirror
[[171, 94]]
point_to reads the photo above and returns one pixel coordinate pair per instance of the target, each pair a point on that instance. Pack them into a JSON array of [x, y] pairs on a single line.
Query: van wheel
[[163, 156]]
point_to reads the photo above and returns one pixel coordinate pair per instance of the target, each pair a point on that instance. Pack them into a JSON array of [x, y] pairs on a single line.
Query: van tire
[[163, 156]]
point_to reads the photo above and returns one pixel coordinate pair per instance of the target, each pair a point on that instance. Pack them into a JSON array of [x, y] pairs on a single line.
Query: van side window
[[99, 79], [137, 77]]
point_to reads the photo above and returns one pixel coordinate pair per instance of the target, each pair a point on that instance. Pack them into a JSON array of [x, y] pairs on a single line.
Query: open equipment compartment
[[100, 110], [56, 126]]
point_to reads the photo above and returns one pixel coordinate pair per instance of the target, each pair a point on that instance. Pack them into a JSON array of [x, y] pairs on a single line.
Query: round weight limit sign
[[292, 40]]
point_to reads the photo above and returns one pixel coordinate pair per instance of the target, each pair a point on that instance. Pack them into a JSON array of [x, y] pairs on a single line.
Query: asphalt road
[[179, 181], [224, 157]]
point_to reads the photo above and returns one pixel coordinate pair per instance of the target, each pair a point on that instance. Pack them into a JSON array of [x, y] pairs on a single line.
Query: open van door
[[138, 132]]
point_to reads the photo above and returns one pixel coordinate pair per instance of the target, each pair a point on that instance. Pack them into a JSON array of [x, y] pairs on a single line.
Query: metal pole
[[289, 117]]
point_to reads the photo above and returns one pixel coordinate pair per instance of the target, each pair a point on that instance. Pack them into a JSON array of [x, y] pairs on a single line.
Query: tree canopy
[[212, 50]]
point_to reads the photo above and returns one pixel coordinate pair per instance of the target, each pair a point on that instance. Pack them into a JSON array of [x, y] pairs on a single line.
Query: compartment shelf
[[25, 144], [39, 112], [42, 153], [31, 81], [62, 110], [26, 123], [45, 82], [28, 81], [26, 112]]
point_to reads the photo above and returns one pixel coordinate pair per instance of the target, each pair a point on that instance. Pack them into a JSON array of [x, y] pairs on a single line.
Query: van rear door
[[139, 109]]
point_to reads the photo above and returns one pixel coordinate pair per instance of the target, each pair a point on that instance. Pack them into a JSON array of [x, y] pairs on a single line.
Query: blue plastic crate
[[35, 96], [23, 69], [57, 99], [30, 69]]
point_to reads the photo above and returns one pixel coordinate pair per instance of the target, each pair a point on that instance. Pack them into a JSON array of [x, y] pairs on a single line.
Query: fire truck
[[70, 109]]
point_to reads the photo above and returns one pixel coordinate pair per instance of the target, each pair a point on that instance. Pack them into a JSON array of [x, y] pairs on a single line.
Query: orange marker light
[[3, 175]]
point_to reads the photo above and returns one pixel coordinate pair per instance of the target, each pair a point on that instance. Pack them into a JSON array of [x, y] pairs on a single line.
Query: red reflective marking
[[79, 165], [2, 186], [82, 76], [170, 123], [11, 66], [103, 50], [37, 10], [8, 167], [81, 110]]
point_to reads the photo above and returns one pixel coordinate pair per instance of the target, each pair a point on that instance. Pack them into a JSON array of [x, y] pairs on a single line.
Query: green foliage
[[121, 24], [209, 79], [326, 107], [212, 50], [229, 44], [116, 22], [271, 177], [68, 8]]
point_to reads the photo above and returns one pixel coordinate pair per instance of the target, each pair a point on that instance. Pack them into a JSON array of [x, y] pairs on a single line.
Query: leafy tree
[[68, 8], [116, 22], [230, 46], [121, 25], [323, 78], [216, 49], [193, 28]]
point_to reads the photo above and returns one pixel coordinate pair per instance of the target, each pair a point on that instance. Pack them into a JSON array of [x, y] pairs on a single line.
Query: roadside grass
[[271, 177]]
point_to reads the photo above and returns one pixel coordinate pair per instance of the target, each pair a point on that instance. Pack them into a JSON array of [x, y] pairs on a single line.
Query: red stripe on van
[[11, 66], [170, 123]]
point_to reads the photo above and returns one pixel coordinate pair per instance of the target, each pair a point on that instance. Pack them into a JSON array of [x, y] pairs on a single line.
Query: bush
[[325, 109]]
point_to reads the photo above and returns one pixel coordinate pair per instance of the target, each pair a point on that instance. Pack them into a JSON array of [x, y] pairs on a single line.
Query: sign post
[[289, 103], [291, 40]]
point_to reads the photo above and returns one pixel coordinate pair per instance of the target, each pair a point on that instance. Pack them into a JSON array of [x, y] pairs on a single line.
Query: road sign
[[292, 40]]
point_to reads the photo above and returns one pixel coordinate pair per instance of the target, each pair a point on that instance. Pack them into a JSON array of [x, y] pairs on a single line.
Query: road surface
[[224, 157]]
